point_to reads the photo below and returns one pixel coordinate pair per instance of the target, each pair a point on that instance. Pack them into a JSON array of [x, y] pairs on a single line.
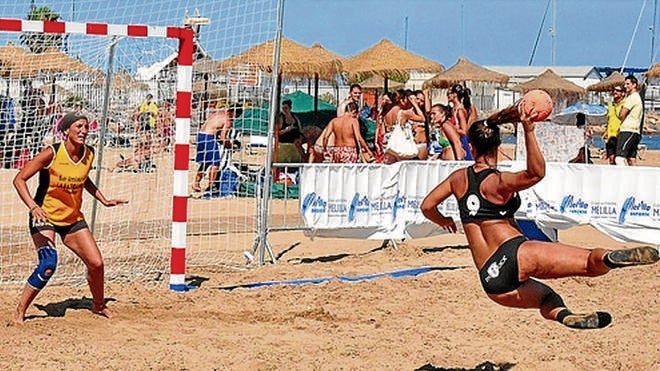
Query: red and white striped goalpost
[[182, 120]]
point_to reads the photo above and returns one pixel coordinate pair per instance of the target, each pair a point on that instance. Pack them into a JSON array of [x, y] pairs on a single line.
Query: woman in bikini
[[509, 264], [461, 107]]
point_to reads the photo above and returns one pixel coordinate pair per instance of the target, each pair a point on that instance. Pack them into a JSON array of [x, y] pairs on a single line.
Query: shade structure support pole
[[316, 98]]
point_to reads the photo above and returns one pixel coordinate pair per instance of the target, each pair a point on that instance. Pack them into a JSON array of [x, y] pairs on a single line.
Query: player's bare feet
[[636, 256], [102, 310], [19, 317], [588, 321]]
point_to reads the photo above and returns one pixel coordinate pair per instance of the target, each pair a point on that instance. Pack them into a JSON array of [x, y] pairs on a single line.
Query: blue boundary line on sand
[[408, 272]]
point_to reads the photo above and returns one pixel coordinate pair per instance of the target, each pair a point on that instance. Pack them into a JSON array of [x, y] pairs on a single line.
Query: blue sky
[[488, 32]]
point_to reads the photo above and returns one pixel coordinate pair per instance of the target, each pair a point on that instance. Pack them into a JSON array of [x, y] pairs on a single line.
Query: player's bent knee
[[45, 268]]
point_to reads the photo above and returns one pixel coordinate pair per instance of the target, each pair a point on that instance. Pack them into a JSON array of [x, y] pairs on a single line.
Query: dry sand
[[441, 318]]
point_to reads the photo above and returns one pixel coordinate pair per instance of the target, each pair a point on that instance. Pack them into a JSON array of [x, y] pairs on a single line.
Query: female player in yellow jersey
[[56, 207]]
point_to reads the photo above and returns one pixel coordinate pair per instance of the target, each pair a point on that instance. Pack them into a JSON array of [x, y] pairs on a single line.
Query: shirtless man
[[347, 136], [208, 149]]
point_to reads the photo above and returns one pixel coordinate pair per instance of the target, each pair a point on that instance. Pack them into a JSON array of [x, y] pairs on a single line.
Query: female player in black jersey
[[56, 208], [506, 260]]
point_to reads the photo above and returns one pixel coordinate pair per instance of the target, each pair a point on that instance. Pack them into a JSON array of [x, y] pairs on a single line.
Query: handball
[[537, 101]]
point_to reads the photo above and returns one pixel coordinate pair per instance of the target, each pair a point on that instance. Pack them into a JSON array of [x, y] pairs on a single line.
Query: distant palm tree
[[38, 42]]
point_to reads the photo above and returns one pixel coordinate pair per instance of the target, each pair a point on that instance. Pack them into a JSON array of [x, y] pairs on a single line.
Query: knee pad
[[45, 268]]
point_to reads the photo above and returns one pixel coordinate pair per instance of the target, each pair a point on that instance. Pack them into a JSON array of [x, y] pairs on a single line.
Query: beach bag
[[401, 143]]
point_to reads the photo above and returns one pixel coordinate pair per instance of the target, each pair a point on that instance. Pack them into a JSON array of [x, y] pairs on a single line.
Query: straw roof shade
[[465, 70], [295, 60], [653, 72], [12, 51], [552, 84], [320, 54], [10, 56], [377, 82], [52, 60], [121, 81], [204, 65], [614, 79], [386, 58]]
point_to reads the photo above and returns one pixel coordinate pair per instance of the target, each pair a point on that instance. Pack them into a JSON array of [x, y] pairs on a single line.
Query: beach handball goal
[[106, 63]]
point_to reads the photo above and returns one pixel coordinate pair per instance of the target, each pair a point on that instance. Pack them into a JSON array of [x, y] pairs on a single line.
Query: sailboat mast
[[653, 26], [553, 32]]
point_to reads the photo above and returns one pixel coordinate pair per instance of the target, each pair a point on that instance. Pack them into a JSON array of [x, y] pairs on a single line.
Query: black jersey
[[473, 207]]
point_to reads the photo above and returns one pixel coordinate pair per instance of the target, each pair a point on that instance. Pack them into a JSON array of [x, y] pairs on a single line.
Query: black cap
[[70, 118]]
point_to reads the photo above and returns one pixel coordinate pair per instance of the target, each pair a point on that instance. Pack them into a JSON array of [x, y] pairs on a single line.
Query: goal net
[[110, 78]]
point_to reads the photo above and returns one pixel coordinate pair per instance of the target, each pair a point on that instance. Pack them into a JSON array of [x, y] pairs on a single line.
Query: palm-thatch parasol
[[332, 63], [121, 81], [11, 55], [465, 70], [653, 72], [205, 65], [50, 61], [552, 84], [329, 59], [614, 79], [295, 60], [386, 58]]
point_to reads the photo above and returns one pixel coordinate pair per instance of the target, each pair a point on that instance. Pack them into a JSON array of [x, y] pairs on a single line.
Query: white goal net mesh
[[43, 75]]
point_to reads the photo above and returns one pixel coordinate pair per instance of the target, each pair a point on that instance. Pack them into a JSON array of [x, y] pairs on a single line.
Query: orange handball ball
[[537, 101]]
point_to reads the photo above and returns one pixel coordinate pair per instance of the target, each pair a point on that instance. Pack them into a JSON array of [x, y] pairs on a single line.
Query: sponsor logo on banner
[[632, 207], [313, 203], [337, 207], [571, 205], [359, 204], [602, 210], [539, 206], [399, 203]]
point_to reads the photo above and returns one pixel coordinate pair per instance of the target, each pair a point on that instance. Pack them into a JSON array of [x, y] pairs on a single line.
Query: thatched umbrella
[[204, 65], [50, 61], [331, 62], [333, 65], [552, 84], [11, 56], [386, 58], [465, 70], [295, 60], [653, 72], [614, 79]]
